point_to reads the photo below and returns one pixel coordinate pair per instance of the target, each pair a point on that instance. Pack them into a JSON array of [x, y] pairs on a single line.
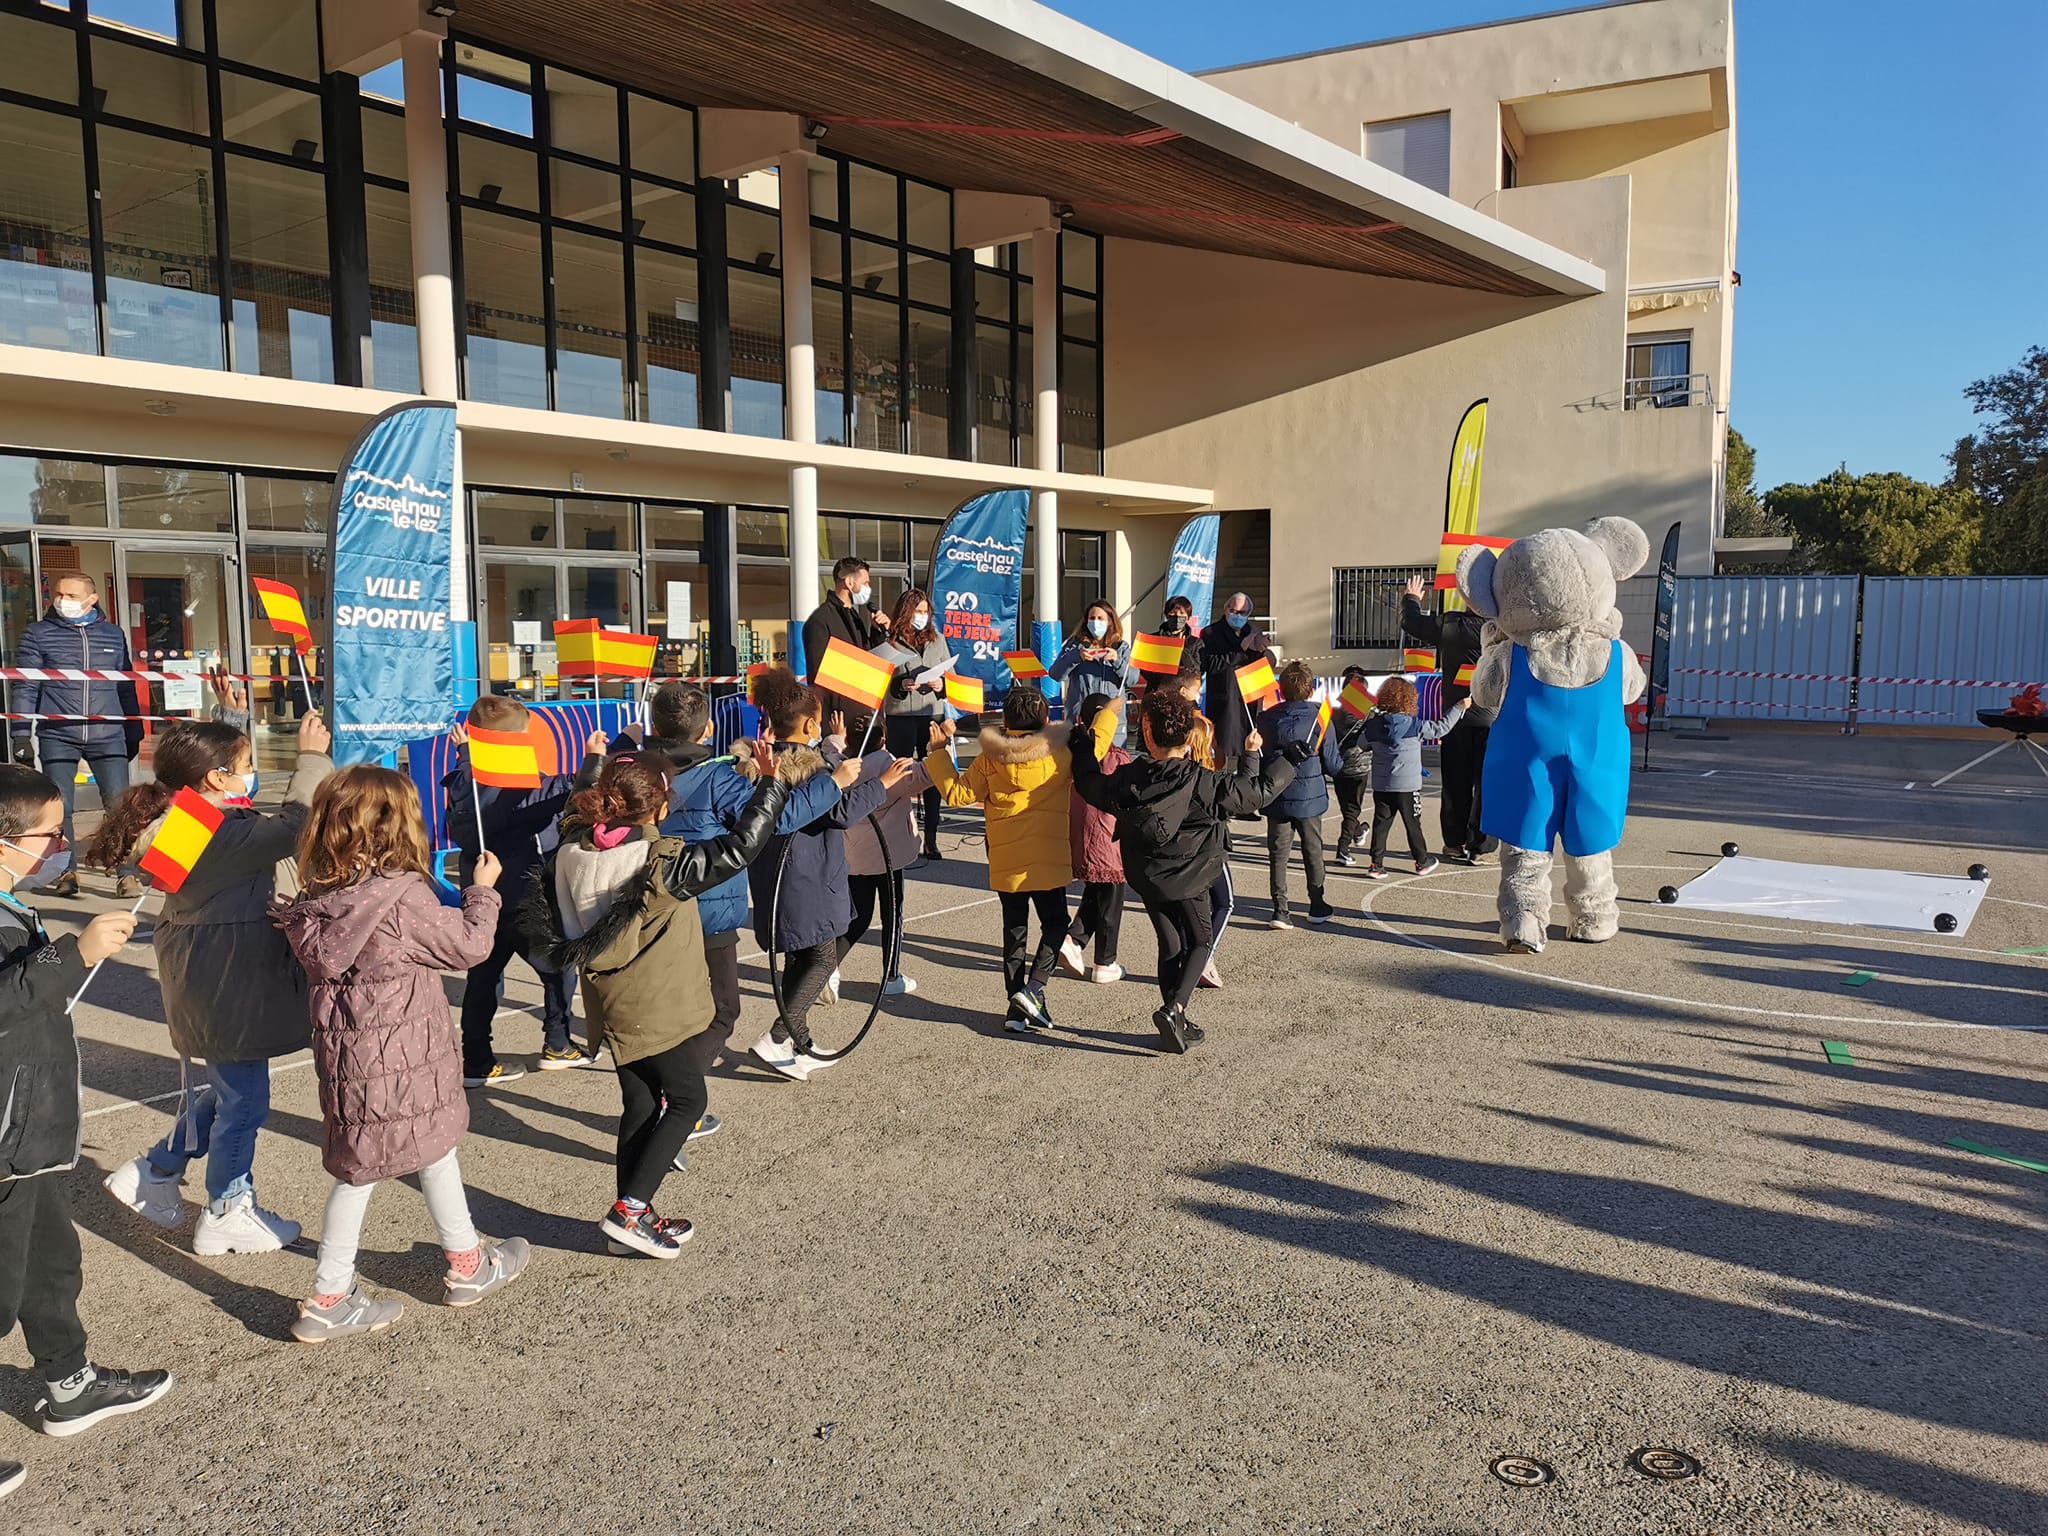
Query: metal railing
[[1660, 391]]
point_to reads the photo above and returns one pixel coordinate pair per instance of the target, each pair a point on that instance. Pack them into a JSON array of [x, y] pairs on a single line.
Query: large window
[[1081, 440], [1006, 398], [1660, 370], [1416, 147], [162, 187], [1365, 605]]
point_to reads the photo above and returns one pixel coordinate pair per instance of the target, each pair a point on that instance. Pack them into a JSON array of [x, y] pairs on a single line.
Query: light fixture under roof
[[618, 455], [161, 407]]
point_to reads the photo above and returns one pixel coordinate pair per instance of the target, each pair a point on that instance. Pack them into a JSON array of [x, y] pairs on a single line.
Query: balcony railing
[[1662, 391]]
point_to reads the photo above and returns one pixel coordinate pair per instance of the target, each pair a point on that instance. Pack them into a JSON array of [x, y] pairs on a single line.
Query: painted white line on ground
[[1710, 773]]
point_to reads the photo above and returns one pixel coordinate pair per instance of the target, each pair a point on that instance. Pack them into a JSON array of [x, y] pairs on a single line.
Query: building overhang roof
[[1010, 96]]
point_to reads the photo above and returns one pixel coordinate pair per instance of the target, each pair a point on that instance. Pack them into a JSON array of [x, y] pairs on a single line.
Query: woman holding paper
[[917, 696], [1095, 660]]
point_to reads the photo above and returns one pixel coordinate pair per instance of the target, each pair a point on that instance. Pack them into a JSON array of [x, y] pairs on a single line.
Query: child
[[1099, 863], [39, 1253], [707, 795], [519, 827], [1395, 736], [374, 938], [234, 998], [1024, 780], [1202, 753], [1354, 780], [1173, 818], [816, 907], [617, 903], [866, 874], [1299, 809]]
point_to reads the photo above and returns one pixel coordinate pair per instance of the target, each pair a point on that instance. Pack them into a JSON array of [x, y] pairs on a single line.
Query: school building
[[727, 289]]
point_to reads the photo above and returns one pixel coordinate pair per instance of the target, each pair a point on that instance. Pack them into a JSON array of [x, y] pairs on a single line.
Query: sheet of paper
[[524, 633], [679, 627], [933, 674], [188, 693], [1829, 893]]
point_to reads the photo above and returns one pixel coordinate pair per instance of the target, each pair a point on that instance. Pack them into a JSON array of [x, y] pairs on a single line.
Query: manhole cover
[[1664, 1464], [1523, 1471]]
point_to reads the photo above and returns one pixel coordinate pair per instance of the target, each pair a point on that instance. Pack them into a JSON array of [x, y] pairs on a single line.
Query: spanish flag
[[1322, 720], [1463, 679], [1357, 698], [1024, 665], [1414, 660], [1158, 653], [188, 826], [1255, 681], [966, 694], [287, 615], [854, 675], [585, 648], [503, 759], [1455, 544]]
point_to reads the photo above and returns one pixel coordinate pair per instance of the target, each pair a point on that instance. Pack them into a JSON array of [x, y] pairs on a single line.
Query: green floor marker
[[2004, 1157], [1859, 978], [1838, 1053], [2030, 949]]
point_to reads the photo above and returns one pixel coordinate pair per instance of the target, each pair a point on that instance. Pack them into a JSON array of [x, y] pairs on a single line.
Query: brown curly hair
[[365, 820], [630, 792], [1397, 696]]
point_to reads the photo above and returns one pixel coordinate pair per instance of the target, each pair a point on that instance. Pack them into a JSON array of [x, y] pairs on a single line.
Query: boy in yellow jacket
[[1024, 782]]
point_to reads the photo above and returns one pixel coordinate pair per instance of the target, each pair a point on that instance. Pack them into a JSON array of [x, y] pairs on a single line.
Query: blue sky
[[1893, 242]]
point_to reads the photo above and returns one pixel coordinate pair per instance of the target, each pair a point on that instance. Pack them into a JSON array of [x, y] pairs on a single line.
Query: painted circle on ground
[[1664, 1464], [1638, 995], [1523, 1471]]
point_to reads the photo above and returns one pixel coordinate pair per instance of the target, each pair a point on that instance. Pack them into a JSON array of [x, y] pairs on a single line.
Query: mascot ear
[[1626, 546], [1475, 580]]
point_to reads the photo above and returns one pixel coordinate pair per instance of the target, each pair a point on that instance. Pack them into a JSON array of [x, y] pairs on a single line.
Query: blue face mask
[[1097, 628], [1237, 620]]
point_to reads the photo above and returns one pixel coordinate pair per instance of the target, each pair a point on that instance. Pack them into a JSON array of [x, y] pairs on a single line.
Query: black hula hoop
[[892, 942]]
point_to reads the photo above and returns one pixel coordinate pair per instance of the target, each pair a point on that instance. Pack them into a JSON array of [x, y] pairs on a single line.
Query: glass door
[[180, 607], [522, 600]]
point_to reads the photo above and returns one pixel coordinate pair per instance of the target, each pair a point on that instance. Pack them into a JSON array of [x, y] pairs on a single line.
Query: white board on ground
[[1829, 893]]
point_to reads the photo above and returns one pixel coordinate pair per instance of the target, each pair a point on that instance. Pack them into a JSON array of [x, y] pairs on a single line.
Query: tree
[[1881, 525], [2006, 464], [1743, 515]]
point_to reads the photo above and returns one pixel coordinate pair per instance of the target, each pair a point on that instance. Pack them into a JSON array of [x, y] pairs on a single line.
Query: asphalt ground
[[1415, 1205]]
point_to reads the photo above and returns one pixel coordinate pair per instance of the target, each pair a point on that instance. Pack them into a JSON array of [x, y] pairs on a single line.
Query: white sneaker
[[1072, 961], [778, 1056], [898, 986], [831, 992], [244, 1227], [1105, 974], [813, 1065], [147, 1193]]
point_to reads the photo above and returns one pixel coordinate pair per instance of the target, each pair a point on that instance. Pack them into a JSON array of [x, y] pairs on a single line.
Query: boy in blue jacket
[[1395, 736], [519, 827], [1298, 810]]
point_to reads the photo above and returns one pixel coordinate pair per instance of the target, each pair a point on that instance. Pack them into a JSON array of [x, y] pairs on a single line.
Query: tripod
[[2022, 727]]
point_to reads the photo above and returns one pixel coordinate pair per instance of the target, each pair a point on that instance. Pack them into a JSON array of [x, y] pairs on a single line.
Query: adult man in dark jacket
[[845, 615], [74, 633], [1463, 752], [1234, 642]]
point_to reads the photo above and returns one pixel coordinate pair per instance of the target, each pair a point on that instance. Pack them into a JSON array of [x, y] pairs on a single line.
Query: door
[[181, 610], [523, 598]]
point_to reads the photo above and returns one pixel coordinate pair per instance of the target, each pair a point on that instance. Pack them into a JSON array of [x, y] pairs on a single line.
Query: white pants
[[342, 1231]]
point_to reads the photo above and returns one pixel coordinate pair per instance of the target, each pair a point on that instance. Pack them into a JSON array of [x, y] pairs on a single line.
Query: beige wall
[[1331, 399]]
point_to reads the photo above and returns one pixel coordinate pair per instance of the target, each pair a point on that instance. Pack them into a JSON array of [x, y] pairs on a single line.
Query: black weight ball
[[1667, 894], [1980, 871], [1944, 922], [1729, 850]]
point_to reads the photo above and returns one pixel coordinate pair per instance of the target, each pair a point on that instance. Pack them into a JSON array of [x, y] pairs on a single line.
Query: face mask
[[1097, 628], [861, 595], [249, 785], [70, 608], [1237, 620], [44, 870], [920, 620], [1174, 624]]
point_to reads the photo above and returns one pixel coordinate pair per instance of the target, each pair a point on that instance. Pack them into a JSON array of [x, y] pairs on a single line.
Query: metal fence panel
[[1729, 629], [1971, 641]]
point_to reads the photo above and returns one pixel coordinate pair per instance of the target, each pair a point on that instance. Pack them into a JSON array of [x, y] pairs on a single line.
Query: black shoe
[[109, 1394], [931, 852], [1172, 1025], [12, 1475], [1192, 1032], [1319, 910], [1344, 858]]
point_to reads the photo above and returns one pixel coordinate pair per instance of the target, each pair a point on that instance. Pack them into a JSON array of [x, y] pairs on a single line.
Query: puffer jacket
[[39, 1114], [625, 917], [385, 1046], [1081, 678], [1024, 785], [898, 821], [1396, 742], [232, 991], [704, 803], [93, 645], [1283, 726], [1091, 833], [810, 863]]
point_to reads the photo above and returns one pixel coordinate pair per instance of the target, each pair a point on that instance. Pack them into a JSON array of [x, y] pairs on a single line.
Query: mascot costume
[[1555, 669]]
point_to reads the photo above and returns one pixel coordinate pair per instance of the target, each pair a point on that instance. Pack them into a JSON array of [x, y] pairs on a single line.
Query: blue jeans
[[225, 1104], [109, 768]]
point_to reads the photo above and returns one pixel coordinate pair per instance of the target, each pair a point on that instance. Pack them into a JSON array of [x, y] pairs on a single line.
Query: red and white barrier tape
[[1844, 677], [116, 718], [95, 675], [1682, 707]]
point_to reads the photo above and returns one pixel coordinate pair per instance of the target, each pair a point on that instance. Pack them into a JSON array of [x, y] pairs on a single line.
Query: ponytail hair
[[185, 755], [630, 792]]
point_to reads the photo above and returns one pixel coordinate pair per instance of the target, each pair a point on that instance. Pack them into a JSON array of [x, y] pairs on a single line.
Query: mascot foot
[[1523, 934], [1596, 930]]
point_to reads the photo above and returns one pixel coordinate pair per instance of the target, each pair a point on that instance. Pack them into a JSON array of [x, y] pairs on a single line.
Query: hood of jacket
[[793, 765], [330, 931], [998, 746]]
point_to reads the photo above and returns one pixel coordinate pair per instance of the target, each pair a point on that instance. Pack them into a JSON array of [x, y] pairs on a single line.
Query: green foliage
[[2006, 464], [1881, 525], [1743, 513]]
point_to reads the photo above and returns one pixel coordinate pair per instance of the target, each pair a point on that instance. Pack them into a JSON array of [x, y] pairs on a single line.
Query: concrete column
[[426, 174], [1045, 425], [800, 389]]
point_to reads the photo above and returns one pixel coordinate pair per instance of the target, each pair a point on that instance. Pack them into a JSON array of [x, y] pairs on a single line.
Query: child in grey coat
[[1395, 736]]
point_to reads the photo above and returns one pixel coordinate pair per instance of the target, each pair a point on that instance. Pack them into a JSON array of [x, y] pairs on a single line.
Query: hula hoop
[[892, 943]]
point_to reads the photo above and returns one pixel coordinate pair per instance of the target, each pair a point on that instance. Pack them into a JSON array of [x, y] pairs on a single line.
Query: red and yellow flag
[[585, 648], [966, 694], [1157, 653], [1024, 665], [1256, 682], [1463, 679], [1357, 698], [287, 615], [1415, 659], [1322, 720], [187, 828], [503, 759], [854, 675], [1455, 544]]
